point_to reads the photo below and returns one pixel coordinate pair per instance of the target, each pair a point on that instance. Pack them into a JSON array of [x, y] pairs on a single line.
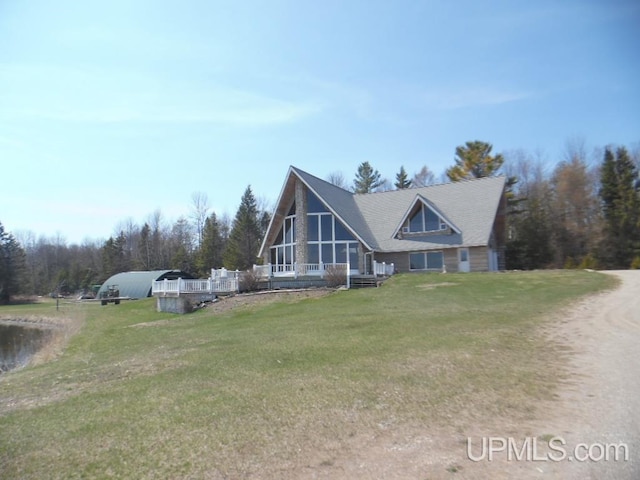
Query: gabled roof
[[420, 199], [469, 207]]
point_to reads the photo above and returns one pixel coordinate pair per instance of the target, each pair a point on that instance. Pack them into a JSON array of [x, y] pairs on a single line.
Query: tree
[[529, 214], [199, 212], [367, 179], [621, 209], [114, 258], [576, 213], [422, 178], [402, 179], [211, 250], [12, 262], [245, 238], [337, 179], [474, 160]]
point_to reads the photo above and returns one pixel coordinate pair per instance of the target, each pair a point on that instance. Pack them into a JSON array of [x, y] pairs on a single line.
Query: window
[[426, 261], [417, 261], [283, 251], [424, 220], [314, 205], [329, 241]]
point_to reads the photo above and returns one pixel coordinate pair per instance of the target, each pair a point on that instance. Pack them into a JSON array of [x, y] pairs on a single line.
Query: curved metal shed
[[138, 284]]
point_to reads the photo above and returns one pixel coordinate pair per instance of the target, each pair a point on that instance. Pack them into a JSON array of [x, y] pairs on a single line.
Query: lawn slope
[[255, 391]]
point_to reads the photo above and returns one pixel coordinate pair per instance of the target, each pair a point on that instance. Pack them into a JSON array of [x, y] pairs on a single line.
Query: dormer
[[423, 218]]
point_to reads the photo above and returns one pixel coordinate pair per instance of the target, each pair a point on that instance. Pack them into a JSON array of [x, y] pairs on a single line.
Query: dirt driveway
[[595, 415], [600, 403]]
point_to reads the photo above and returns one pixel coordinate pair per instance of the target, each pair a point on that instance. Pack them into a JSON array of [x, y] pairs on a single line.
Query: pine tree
[[244, 241], [402, 179], [621, 209], [114, 256], [212, 249], [12, 262], [367, 179], [474, 160]]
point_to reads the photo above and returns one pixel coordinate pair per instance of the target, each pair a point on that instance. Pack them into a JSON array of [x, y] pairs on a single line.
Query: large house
[[453, 227]]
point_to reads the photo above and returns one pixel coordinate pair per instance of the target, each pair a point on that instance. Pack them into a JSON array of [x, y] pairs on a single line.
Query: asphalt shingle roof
[[469, 205]]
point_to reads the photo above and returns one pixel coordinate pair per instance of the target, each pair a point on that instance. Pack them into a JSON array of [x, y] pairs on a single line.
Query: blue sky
[[112, 110]]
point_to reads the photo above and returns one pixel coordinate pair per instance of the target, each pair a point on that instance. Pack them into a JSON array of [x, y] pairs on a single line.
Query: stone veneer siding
[[301, 222]]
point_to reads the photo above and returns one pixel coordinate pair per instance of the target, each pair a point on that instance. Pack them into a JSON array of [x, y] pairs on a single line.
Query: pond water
[[18, 343]]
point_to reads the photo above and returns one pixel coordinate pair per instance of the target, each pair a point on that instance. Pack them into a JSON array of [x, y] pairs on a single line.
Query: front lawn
[[248, 392]]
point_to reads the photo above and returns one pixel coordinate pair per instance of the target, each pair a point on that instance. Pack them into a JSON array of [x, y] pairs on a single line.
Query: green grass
[[256, 389]]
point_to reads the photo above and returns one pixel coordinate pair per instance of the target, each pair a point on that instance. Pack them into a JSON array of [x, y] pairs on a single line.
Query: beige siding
[[478, 259]]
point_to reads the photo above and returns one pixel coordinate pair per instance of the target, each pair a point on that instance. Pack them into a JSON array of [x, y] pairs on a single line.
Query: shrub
[[249, 281], [635, 263], [589, 261], [335, 276]]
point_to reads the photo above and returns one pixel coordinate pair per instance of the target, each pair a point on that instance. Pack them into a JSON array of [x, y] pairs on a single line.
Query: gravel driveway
[[600, 404]]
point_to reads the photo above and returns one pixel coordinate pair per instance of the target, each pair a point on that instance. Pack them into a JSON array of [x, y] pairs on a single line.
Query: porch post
[[348, 275]]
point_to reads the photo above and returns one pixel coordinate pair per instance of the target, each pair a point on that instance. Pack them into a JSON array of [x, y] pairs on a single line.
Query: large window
[[424, 220], [426, 261], [329, 241], [283, 250]]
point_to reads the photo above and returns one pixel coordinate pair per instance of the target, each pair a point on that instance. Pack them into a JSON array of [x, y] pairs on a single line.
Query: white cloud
[[40, 92], [451, 99]]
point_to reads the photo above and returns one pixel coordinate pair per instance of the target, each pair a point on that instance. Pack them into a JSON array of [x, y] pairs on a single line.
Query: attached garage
[[138, 284]]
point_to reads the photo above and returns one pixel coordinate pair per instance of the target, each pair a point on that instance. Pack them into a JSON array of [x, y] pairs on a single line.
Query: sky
[[111, 111]]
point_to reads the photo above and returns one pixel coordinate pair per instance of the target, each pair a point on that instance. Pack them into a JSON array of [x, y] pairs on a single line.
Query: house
[[453, 227]]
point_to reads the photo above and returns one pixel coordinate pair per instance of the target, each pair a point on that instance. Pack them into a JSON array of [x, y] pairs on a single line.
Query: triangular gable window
[[314, 205], [423, 219]]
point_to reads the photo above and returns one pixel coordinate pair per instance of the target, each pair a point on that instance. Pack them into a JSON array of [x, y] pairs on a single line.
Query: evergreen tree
[[621, 209], [474, 160], [114, 257], [402, 179], [211, 251], [12, 262], [367, 179], [244, 240]]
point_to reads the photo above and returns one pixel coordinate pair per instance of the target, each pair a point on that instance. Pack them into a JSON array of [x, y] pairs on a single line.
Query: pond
[[18, 343]]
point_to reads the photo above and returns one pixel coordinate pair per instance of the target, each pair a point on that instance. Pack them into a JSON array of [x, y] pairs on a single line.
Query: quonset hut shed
[[138, 284]]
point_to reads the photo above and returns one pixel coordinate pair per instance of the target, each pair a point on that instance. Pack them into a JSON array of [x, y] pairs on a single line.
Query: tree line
[[204, 240], [580, 213]]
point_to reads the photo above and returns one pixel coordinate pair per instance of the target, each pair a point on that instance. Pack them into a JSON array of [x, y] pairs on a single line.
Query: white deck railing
[[209, 285], [383, 269], [298, 269], [312, 269]]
